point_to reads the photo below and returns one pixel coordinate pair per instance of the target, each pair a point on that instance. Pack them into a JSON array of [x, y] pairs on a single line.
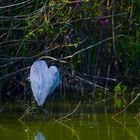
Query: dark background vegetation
[[95, 44]]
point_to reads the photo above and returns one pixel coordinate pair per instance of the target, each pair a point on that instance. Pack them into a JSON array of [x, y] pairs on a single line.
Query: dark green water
[[80, 126]]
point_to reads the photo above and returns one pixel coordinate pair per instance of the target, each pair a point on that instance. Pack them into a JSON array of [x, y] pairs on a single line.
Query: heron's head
[[55, 74], [53, 70]]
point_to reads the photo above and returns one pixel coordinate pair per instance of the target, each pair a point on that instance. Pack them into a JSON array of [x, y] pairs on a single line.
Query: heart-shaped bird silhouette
[[43, 80]]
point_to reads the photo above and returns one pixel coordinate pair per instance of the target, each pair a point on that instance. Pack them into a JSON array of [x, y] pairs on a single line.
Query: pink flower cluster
[[104, 21]]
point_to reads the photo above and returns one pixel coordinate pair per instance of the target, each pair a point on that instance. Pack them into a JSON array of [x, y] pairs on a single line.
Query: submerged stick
[[137, 118], [138, 94], [127, 129], [25, 114], [69, 128], [64, 117]]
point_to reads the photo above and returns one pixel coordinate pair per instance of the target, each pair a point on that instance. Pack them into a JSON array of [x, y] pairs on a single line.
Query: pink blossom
[[104, 21], [77, 3]]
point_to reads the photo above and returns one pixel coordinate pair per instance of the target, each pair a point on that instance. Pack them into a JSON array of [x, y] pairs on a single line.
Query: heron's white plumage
[[43, 80]]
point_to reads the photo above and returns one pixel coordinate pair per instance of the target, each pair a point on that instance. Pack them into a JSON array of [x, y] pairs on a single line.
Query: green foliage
[[62, 28], [119, 96], [77, 61]]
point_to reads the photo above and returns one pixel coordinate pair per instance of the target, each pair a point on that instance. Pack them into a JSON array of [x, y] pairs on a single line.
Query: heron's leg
[[45, 110], [29, 109], [2, 108]]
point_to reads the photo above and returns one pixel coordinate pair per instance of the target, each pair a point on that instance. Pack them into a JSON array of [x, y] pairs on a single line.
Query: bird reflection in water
[[40, 136]]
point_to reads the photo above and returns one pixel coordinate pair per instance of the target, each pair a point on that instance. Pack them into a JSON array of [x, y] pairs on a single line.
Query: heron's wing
[[54, 78], [38, 78], [36, 85], [44, 88]]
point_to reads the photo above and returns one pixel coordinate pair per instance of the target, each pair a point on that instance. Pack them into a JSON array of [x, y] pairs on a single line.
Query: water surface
[[82, 125]]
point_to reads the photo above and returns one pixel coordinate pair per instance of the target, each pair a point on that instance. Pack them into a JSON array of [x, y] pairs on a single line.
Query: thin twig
[[52, 58], [91, 83], [16, 4], [89, 47], [106, 84], [13, 73], [113, 26]]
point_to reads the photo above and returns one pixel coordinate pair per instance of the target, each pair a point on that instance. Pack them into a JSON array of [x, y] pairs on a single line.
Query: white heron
[[43, 80]]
